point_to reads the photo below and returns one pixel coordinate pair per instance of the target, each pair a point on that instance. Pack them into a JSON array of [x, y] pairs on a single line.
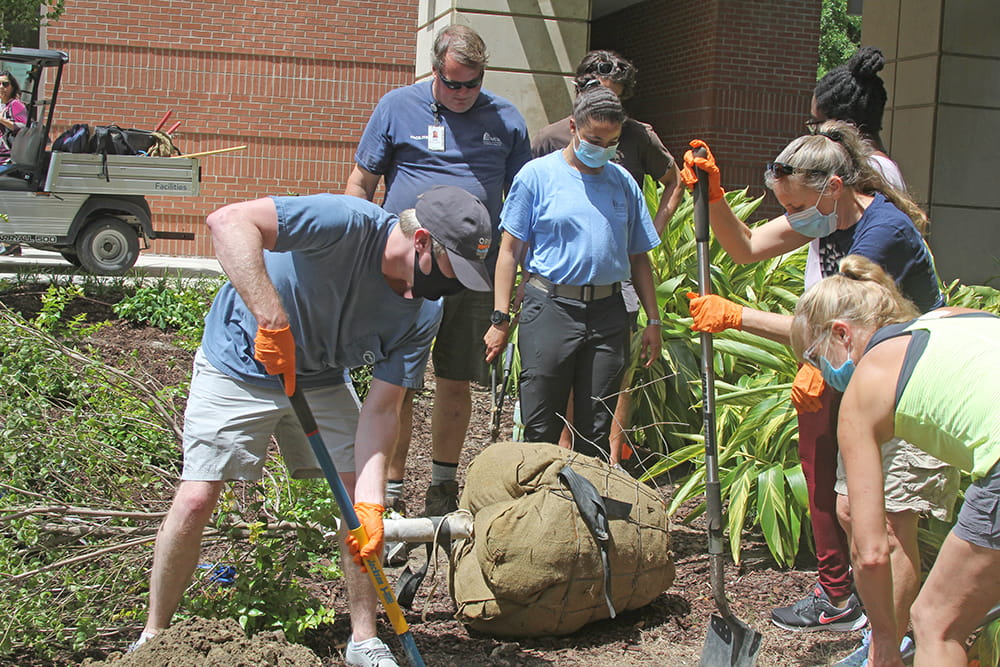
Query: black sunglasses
[[605, 68], [455, 85], [781, 169], [4, 83]]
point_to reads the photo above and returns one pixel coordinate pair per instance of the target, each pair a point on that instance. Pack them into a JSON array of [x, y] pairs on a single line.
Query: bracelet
[[654, 323]]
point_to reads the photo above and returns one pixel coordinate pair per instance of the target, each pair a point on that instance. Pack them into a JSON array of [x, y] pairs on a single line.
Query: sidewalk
[[47, 263]]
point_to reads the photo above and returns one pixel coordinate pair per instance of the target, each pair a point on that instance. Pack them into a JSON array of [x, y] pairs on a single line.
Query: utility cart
[[91, 208]]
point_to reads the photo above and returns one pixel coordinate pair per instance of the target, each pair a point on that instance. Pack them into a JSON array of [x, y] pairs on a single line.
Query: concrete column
[[533, 45], [942, 122]]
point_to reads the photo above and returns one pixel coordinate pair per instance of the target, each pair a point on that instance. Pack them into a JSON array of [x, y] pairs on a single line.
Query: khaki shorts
[[914, 481], [459, 352], [228, 426]]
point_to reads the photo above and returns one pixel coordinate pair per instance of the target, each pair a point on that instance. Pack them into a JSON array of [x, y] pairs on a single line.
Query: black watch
[[499, 317]]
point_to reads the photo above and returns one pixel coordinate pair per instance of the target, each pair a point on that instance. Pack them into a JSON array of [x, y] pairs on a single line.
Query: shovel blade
[[730, 642]]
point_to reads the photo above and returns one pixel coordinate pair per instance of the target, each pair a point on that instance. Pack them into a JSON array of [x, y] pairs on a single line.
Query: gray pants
[[565, 343]]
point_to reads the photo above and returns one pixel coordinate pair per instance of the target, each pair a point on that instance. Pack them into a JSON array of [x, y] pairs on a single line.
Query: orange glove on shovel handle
[[275, 348], [807, 389], [713, 314], [370, 516], [707, 164]]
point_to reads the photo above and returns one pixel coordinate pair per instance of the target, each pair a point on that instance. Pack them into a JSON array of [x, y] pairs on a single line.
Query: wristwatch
[[499, 317]]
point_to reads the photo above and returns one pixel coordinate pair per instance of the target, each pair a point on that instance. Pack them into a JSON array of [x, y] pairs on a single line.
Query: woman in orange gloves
[[830, 191], [932, 380]]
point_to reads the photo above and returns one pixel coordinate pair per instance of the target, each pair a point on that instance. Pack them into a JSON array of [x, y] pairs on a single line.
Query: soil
[[669, 631]]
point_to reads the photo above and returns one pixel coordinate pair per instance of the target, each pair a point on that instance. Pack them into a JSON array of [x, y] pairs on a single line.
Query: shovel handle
[[701, 204]]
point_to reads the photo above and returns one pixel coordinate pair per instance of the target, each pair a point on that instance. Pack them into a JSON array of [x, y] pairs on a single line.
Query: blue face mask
[[812, 223], [594, 156], [836, 377]]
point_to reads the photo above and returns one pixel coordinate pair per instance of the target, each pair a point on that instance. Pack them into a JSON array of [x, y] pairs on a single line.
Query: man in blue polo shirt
[[448, 130]]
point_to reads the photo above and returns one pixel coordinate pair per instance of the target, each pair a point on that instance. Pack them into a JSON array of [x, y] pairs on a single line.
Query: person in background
[[13, 118], [579, 226], [449, 130], [932, 380], [642, 153], [317, 285], [831, 192]]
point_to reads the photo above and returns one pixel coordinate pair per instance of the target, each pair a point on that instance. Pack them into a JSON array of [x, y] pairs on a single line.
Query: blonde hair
[[862, 293], [408, 224], [838, 148]]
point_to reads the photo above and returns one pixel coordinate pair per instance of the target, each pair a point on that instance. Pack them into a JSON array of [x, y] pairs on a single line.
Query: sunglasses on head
[[781, 169], [4, 84], [455, 85], [605, 68]]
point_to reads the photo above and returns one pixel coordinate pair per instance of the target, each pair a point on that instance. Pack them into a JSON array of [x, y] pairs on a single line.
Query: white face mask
[[811, 222]]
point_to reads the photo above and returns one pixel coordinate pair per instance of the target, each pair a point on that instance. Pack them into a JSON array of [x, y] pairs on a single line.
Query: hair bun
[[866, 63]]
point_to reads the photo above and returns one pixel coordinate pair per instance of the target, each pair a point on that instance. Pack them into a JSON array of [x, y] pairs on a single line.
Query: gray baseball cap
[[460, 222]]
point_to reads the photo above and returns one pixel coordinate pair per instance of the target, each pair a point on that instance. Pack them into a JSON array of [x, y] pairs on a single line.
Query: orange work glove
[[370, 516], [706, 164], [807, 388], [713, 314], [275, 348]]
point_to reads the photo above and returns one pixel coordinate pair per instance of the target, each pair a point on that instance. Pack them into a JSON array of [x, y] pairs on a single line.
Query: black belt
[[578, 292]]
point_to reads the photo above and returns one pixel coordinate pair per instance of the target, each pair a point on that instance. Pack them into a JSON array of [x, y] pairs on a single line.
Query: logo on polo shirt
[[490, 140]]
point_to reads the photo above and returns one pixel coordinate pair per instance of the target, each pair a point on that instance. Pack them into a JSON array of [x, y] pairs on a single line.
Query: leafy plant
[[181, 306]]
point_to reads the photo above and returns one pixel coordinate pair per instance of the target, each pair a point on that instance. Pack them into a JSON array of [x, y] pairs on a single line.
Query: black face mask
[[434, 285]]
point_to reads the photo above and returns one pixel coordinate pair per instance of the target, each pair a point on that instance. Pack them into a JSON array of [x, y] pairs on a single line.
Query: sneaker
[[441, 499], [143, 638], [859, 657], [816, 612], [369, 653]]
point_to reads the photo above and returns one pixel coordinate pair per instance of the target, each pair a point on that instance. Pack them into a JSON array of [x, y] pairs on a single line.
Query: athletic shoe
[[369, 653], [441, 499], [143, 638], [816, 612], [859, 657]]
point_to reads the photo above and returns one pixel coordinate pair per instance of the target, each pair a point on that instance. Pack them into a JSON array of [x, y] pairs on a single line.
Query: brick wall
[[295, 86], [737, 73]]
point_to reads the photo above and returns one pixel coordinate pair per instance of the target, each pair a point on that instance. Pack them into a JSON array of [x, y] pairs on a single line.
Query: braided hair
[[854, 92], [597, 104]]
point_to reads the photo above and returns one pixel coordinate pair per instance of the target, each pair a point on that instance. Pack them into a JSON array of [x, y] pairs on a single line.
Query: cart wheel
[[71, 257], [108, 246]]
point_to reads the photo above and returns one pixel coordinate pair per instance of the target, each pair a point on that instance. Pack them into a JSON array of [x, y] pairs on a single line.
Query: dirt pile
[[203, 642]]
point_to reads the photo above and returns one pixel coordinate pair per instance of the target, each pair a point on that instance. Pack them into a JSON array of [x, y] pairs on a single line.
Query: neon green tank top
[[948, 390]]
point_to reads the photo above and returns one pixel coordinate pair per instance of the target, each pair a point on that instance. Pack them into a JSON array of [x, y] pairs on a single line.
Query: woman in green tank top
[[932, 380]]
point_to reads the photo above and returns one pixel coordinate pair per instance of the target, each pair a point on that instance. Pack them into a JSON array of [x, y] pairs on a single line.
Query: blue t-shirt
[[580, 228], [483, 147], [887, 236], [327, 268]]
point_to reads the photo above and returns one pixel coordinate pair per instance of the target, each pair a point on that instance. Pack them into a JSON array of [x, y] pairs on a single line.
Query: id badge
[[435, 137]]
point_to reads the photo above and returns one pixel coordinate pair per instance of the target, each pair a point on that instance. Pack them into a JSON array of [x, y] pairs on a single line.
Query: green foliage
[[181, 306], [267, 592], [757, 430], [19, 16], [839, 36], [88, 460]]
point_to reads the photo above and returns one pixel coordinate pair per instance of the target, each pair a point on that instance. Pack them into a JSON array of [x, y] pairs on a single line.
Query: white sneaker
[[369, 653], [143, 638]]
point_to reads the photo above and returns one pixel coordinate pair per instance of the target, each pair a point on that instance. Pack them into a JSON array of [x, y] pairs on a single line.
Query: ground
[[669, 631]]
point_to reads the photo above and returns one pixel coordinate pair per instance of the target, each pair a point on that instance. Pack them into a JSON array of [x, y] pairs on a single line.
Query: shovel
[[350, 517], [498, 384], [730, 641]]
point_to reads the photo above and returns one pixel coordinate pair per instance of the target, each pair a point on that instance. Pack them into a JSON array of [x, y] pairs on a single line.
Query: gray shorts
[[914, 481], [459, 351], [979, 519], [228, 426]]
